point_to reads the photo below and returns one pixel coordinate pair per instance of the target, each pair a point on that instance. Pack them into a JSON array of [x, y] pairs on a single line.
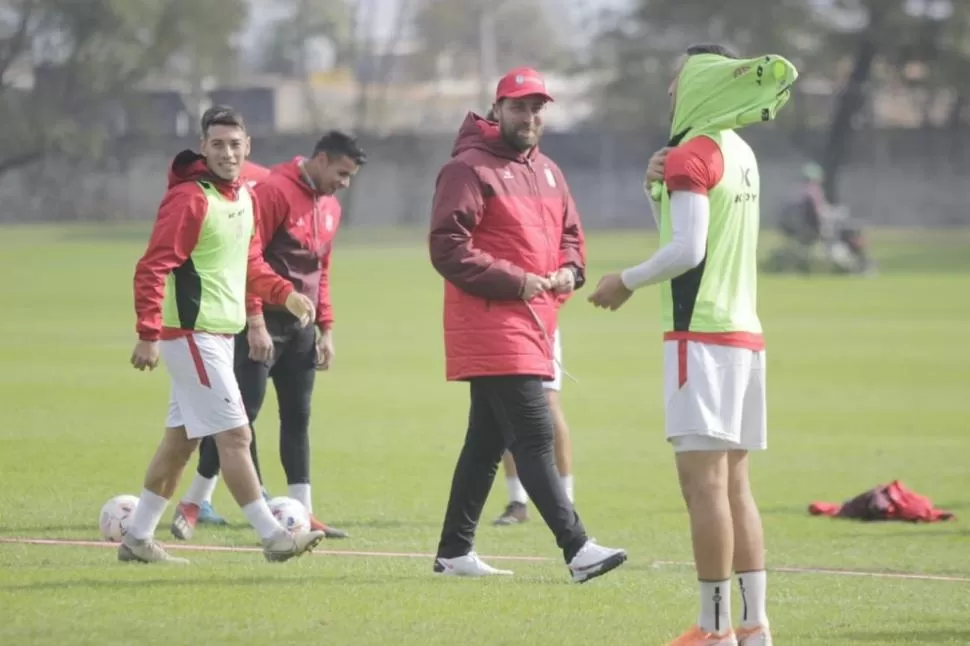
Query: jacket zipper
[[539, 206], [545, 232], [315, 229], [314, 213]]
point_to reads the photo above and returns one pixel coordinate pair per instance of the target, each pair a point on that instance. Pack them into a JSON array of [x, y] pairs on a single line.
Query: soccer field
[[869, 381]]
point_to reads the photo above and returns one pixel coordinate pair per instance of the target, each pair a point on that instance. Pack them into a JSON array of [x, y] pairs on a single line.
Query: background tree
[[467, 38], [636, 50], [306, 23], [855, 46], [65, 66]]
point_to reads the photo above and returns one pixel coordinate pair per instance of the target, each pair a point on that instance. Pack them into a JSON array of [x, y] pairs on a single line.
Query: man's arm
[[261, 281], [457, 208], [690, 172], [268, 216], [174, 236], [689, 217], [324, 308], [572, 247]]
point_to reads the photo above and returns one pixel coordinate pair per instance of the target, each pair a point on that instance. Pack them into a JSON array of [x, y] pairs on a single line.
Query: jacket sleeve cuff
[[284, 293], [579, 274]]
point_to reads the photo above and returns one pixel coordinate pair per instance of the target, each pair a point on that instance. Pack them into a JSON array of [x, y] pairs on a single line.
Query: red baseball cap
[[520, 82]]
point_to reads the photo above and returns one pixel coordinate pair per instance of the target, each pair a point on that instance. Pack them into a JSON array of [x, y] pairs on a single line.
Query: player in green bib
[[704, 190], [190, 302]]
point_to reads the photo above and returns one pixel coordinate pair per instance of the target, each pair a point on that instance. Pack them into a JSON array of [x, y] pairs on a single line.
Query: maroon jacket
[[498, 214], [298, 227]]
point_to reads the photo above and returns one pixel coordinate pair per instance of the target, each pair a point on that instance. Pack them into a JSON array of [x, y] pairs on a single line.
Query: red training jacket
[[297, 227], [174, 236], [498, 214], [893, 501], [253, 173]]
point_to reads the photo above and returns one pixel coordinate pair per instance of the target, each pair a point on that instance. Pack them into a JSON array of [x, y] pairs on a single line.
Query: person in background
[[190, 300], [506, 238], [706, 189], [298, 223], [517, 509], [207, 472]]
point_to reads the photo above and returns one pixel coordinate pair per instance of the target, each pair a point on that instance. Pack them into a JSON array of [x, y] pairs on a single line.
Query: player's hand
[[301, 307], [655, 169], [259, 341], [145, 355], [563, 281], [610, 293], [325, 351], [535, 285]]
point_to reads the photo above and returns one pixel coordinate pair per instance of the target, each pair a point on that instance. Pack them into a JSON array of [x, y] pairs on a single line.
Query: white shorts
[[556, 383], [205, 395], [714, 397]]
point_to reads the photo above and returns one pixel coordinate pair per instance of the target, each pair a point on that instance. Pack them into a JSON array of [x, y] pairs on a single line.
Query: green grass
[[868, 381]]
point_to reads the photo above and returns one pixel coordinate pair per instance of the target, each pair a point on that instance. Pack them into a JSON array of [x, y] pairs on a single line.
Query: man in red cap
[[506, 237]]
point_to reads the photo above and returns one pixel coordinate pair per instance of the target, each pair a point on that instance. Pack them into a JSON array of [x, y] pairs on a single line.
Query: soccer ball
[[115, 516], [291, 514]]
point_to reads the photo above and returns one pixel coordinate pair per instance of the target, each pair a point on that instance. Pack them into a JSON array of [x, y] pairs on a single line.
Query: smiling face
[[521, 120], [330, 175], [225, 148]]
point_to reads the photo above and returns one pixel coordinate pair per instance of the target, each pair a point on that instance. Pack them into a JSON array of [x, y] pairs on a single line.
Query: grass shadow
[[930, 530], [928, 636], [120, 232], [113, 584], [139, 231], [45, 531], [943, 257], [383, 523], [786, 510]]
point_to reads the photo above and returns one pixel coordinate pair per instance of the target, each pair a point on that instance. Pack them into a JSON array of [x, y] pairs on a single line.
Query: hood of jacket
[[189, 166], [478, 133]]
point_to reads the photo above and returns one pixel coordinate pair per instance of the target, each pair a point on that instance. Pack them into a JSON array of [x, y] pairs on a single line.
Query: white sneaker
[[146, 550], [593, 560], [756, 636], [285, 545], [467, 565]]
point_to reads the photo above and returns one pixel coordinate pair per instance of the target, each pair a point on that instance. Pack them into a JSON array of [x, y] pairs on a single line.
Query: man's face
[[332, 175], [520, 121], [225, 148], [672, 88]]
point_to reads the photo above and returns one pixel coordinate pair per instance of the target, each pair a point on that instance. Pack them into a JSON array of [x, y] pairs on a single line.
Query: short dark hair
[[713, 48], [339, 144], [221, 115]]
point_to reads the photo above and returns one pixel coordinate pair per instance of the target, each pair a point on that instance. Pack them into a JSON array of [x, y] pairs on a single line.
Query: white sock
[[148, 513], [262, 519], [200, 490], [567, 484], [753, 587], [516, 490], [715, 614], [301, 492]]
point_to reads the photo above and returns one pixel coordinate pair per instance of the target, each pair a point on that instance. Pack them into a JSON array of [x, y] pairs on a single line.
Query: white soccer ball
[[291, 514], [115, 516]]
